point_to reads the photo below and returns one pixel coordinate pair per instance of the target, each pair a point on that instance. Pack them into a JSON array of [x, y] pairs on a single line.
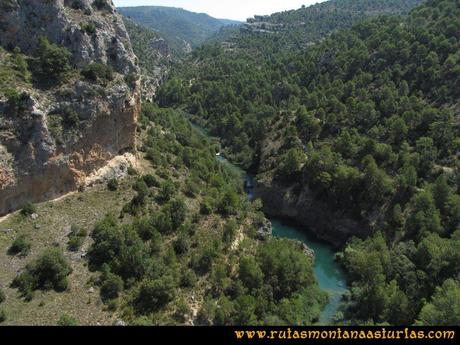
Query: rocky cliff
[[301, 206], [40, 156]]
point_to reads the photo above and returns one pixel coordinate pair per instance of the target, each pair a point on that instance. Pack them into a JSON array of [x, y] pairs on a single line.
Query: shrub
[[131, 79], [111, 285], [2, 296], [16, 101], [21, 245], [182, 311], [112, 185], [48, 271], [132, 171], [188, 279], [182, 244], [28, 209], [98, 72], [167, 191], [53, 61], [151, 181], [155, 294], [76, 238], [70, 118], [206, 207], [2, 316], [100, 4], [77, 5], [202, 261], [66, 321], [89, 28]]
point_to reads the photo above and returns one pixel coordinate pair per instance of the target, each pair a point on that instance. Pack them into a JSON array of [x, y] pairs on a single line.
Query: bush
[[2, 316], [97, 72], [77, 5], [100, 4], [112, 185], [70, 118], [182, 311], [66, 321], [89, 28], [188, 279], [132, 171], [28, 209], [16, 101], [2, 296], [76, 238], [155, 294], [206, 207], [202, 262], [53, 61], [21, 245], [151, 181], [48, 271], [182, 244], [111, 286]]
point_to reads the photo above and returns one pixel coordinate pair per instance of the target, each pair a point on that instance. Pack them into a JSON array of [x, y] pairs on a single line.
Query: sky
[[224, 9]]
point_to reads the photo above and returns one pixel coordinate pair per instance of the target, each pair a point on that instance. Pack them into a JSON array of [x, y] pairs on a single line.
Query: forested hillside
[[187, 247], [154, 56], [181, 29], [366, 122]]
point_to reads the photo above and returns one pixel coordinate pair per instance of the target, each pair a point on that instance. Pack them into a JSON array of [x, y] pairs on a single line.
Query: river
[[329, 274]]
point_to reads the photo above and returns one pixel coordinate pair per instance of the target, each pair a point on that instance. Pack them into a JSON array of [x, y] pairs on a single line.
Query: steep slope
[[69, 97], [355, 135], [182, 244], [154, 56], [181, 29]]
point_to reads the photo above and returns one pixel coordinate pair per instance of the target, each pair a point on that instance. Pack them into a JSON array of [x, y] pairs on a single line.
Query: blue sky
[[228, 9]]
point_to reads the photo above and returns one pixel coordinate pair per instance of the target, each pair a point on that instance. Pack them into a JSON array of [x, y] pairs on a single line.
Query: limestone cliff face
[[39, 159], [301, 206]]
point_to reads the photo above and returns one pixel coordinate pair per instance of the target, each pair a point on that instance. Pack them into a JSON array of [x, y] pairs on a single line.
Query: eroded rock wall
[[36, 164]]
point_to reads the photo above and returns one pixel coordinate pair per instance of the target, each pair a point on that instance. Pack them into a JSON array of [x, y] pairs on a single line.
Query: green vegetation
[[89, 28], [13, 71], [66, 321], [97, 72], [48, 271], [179, 27], [28, 209], [76, 238], [164, 249], [2, 316], [52, 63], [366, 121], [100, 4], [21, 245], [2, 296], [112, 185]]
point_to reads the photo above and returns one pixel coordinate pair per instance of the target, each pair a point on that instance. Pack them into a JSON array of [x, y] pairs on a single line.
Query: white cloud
[[229, 9]]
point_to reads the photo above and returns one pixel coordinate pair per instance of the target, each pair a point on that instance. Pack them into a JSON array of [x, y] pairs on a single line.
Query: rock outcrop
[[302, 207], [39, 159]]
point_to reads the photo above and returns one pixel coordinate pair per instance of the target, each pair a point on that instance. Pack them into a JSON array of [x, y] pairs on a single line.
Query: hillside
[[181, 29], [181, 245], [69, 97], [153, 54], [356, 135], [124, 214]]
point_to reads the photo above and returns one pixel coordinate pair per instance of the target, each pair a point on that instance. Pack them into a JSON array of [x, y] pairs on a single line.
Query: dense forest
[[188, 239], [367, 118]]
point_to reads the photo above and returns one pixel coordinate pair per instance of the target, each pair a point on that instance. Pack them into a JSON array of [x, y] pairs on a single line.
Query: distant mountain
[[153, 54], [182, 29], [316, 21]]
